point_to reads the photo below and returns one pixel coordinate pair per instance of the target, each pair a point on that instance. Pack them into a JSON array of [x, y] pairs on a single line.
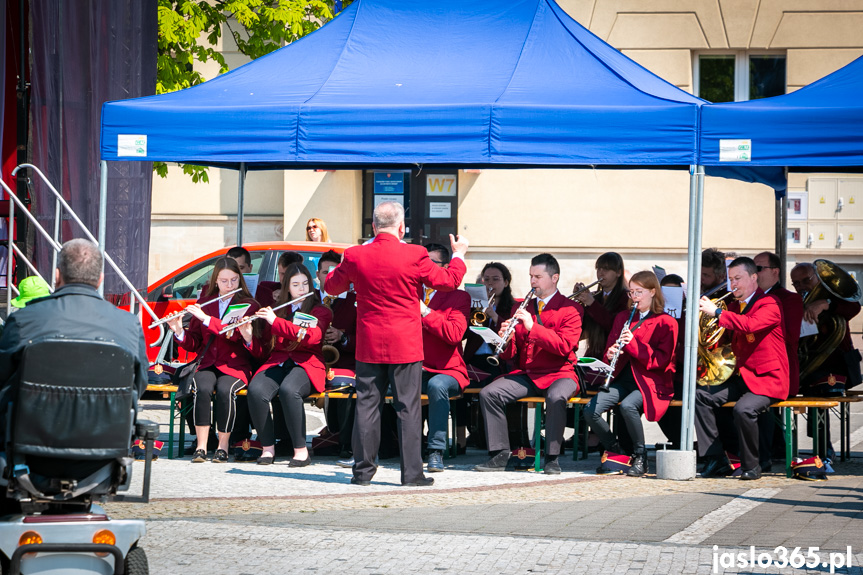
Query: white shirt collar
[[545, 300]]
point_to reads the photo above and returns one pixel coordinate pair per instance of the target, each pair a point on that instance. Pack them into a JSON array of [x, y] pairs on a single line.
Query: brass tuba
[[716, 363], [834, 282]]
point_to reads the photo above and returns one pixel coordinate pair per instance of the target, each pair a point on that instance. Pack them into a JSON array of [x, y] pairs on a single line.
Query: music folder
[[488, 335], [594, 364]]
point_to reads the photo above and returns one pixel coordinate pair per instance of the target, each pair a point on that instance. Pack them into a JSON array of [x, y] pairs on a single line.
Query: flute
[[252, 318], [608, 376], [185, 310]]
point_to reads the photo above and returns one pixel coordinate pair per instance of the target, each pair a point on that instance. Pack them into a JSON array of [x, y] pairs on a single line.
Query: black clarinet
[[608, 376]]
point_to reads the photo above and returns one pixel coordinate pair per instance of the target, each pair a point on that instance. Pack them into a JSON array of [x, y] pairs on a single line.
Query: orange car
[[182, 286]]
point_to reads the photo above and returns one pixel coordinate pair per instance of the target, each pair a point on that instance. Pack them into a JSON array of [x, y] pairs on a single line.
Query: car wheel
[[136, 562]]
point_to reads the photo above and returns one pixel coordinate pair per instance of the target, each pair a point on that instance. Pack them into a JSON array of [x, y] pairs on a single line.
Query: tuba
[[834, 282], [716, 362]]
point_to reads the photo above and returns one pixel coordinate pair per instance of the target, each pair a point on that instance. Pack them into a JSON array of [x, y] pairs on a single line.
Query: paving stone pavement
[[240, 518]]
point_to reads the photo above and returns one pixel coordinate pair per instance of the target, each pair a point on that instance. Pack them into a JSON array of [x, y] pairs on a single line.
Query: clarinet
[[495, 359], [604, 386]]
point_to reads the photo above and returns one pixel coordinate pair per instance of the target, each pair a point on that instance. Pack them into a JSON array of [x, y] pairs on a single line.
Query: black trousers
[[623, 390], [226, 387], [293, 386], [709, 412], [494, 398], [372, 381]]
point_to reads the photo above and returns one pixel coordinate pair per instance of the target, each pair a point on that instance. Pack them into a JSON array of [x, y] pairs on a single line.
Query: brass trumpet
[[577, 293], [478, 317], [185, 310]]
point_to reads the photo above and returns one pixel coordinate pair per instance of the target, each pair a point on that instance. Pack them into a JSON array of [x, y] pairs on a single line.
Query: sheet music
[[594, 364], [234, 313], [251, 282], [478, 295], [488, 335], [673, 300], [305, 320], [808, 328]]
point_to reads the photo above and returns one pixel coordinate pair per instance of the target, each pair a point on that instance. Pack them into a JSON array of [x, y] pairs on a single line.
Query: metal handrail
[[13, 200]]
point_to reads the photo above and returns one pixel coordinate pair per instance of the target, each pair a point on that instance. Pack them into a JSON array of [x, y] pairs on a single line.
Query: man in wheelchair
[[72, 368]]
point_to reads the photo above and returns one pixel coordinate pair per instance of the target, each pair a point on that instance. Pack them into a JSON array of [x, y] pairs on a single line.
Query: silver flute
[[185, 310], [252, 318]]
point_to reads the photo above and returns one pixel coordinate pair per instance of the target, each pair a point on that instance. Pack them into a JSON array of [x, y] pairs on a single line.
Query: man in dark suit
[[387, 275], [543, 349], [758, 343], [445, 317]]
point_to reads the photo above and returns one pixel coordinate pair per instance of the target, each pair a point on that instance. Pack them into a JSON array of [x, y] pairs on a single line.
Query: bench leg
[[576, 437], [171, 427], [789, 440], [537, 436], [845, 430]]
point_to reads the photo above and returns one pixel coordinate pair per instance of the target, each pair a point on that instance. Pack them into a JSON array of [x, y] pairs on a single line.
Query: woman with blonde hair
[[644, 373], [316, 231]]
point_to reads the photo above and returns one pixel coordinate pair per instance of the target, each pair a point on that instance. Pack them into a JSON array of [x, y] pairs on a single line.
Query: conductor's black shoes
[[422, 482], [496, 463]]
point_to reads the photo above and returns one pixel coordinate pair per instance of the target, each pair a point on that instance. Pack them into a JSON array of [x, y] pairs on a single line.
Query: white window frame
[[741, 69]]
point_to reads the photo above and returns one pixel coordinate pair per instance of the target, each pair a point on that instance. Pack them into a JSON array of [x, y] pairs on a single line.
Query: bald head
[[389, 217], [79, 262]]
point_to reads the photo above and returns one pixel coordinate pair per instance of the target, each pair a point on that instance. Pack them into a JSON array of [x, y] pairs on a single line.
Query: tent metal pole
[[241, 188], [693, 288], [103, 214], [782, 236]]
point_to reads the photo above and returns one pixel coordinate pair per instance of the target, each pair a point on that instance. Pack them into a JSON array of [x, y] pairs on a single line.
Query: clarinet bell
[[493, 360]]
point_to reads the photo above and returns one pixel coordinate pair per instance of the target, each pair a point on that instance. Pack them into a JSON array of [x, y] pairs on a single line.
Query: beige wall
[[510, 215]]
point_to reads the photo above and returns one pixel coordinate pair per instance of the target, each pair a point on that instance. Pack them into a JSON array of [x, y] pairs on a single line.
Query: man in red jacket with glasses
[[387, 276]]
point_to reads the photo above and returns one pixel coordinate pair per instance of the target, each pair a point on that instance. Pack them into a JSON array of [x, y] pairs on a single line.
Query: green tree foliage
[[190, 30]]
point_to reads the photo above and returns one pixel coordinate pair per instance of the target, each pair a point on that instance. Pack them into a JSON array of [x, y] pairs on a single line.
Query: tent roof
[[817, 125], [479, 83]]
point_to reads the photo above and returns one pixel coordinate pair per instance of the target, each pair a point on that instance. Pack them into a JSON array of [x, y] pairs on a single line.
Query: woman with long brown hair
[[294, 366], [601, 306], [644, 373], [227, 363]]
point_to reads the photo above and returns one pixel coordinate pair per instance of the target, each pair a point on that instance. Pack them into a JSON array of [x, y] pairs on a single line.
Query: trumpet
[[577, 293], [478, 317], [510, 329], [610, 374], [252, 318], [185, 310]]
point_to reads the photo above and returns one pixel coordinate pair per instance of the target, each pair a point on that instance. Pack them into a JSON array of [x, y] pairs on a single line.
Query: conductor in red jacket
[[546, 336], [644, 372], [387, 276], [758, 343], [445, 316]]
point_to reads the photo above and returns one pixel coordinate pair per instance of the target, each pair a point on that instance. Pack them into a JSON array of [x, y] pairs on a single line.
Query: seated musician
[[243, 258], [644, 370], [546, 334], [496, 278], [292, 364], [761, 377], [227, 364], [843, 362], [444, 321], [341, 334], [268, 292], [713, 272]]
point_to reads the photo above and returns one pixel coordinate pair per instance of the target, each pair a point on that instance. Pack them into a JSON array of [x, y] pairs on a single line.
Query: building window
[[739, 76]]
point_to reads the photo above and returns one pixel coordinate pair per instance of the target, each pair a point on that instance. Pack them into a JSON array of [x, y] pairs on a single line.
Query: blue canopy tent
[[407, 82]]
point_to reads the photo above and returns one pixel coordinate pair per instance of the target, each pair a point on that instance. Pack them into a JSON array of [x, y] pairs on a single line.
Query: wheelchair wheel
[[136, 562]]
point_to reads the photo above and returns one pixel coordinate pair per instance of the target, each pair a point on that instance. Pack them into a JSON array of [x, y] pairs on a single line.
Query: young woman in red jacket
[[644, 373], [294, 366], [227, 364]]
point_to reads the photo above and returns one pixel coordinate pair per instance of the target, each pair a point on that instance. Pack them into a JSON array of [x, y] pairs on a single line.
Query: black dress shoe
[[358, 481], [496, 463], [266, 460], [716, 467], [638, 467], [551, 467], [751, 474], [200, 456], [300, 462], [423, 482]]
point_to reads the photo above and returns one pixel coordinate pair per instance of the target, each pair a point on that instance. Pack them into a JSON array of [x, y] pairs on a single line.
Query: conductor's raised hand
[[459, 244]]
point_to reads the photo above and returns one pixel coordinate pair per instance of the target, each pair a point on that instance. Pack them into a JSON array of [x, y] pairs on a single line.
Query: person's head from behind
[[79, 262], [287, 258], [671, 280], [438, 253], [328, 261], [544, 275], [712, 269], [389, 217], [297, 283], [316, 231], [226, 277], [243, 258], [609, 270]]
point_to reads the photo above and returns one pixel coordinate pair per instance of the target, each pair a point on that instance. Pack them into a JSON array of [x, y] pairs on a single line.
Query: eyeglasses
[[803, 281], [759, 268], [639, 292], [310, 228]]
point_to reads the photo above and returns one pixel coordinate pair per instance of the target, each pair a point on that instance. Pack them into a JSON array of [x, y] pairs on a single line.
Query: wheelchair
[[69, 427]]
